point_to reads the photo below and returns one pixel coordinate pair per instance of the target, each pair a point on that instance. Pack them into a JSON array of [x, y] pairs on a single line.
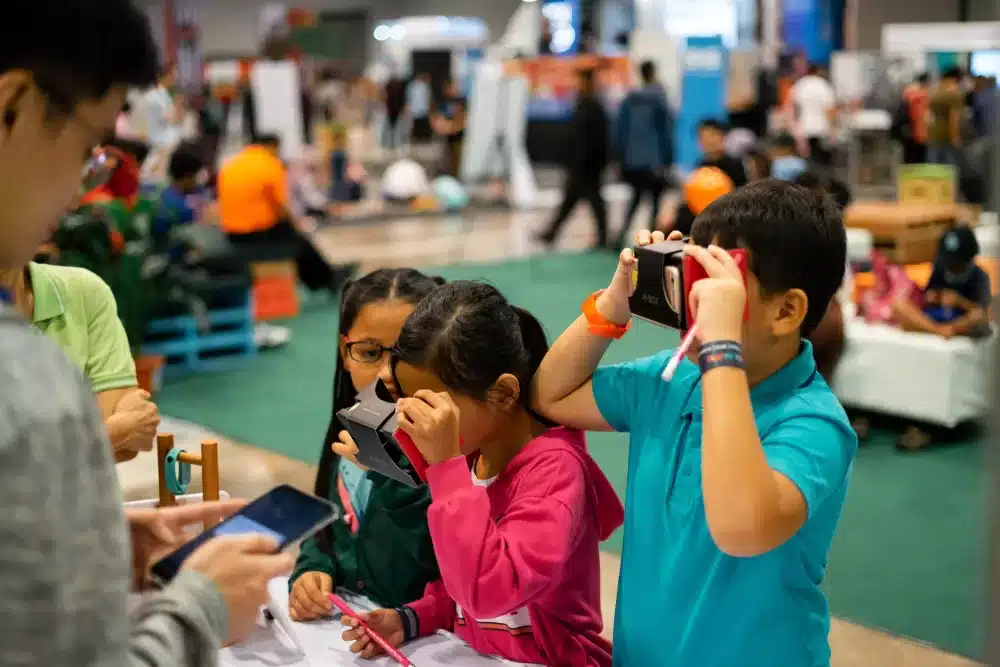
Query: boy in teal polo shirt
[[738, 465]]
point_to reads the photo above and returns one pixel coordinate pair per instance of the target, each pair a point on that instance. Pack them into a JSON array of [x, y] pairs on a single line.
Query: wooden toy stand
[[208, 460]]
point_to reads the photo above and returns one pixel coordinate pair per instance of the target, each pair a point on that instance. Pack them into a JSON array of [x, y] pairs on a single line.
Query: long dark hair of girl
[[407, 285], [468, 334]]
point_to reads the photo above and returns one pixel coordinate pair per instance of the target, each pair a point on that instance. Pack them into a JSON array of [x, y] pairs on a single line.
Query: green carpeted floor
[[909, 554]]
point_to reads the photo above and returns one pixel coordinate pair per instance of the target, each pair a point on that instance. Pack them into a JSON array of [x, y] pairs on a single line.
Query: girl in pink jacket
[[518, 507]]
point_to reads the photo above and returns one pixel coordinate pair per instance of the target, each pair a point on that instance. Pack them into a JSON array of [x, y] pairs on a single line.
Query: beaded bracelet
[[720, 354]]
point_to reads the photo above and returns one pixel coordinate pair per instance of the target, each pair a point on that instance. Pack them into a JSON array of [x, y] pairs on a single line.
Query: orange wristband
[[599, 325]]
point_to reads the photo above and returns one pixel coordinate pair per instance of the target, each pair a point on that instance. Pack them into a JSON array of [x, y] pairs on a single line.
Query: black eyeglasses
[[393, 362], [366, 351]]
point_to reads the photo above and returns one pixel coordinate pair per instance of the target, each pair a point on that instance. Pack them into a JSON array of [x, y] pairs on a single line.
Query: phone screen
[[283, 513]]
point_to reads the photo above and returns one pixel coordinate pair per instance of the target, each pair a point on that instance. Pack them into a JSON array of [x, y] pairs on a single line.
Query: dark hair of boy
[[407, 285], [185, 162], [819, 182], [647, 70], [468, 334], [68, 61], [794, 238]]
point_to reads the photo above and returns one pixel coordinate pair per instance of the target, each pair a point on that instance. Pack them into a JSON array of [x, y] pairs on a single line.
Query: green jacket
[[390, 559]]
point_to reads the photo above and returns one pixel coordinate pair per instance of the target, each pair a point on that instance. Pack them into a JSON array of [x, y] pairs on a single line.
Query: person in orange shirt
[[255, 211]]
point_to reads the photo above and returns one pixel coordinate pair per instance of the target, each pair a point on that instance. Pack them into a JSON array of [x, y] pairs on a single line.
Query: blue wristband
[[720, 354], [411, 623]]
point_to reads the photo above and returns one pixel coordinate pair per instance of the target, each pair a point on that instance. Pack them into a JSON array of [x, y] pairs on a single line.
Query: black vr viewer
[[663, 276], [658, 279], [371, 421]]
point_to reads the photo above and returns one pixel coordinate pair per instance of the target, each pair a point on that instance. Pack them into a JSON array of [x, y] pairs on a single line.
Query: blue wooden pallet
[[228, 342]]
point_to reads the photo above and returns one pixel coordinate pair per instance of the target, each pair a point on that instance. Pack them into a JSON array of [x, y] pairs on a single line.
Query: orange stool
[[275, 290]]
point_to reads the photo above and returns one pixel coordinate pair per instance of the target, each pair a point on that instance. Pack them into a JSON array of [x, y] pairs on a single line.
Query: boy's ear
[[790, 311], [505, 392]]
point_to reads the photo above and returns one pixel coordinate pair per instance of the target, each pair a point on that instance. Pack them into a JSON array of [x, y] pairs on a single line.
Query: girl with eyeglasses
[[383, 548]]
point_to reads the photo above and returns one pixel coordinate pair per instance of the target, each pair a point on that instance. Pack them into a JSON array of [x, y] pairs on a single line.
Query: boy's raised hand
[[613, 304], [386, 622], [718, 302]]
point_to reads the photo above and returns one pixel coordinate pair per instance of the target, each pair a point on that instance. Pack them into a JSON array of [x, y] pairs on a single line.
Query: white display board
[[940, 37], [277, 95], [495, 133]]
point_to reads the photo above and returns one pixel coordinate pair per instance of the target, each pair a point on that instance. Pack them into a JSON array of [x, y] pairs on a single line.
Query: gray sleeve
[[65, 568]]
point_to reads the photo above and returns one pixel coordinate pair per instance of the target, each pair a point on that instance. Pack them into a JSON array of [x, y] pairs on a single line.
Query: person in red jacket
[[518, 507]]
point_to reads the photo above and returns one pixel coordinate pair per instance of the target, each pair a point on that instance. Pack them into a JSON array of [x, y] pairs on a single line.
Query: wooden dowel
[[189, 458], [209, 471], [164, 443]]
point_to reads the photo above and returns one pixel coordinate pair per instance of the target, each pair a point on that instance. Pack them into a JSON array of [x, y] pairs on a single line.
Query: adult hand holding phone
[[240, 567], [155, 532]]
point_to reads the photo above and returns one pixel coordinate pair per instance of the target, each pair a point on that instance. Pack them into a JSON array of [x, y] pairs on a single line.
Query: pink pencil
[[679, 353], [390, 650]]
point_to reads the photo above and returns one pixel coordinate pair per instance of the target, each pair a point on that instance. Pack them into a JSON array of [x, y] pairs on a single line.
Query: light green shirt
[[77, 310]]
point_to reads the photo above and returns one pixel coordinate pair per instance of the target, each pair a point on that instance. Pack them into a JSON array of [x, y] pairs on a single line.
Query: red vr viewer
[[663, 277]]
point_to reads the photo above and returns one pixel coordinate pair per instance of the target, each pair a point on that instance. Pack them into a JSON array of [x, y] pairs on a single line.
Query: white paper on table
[[267, 646]]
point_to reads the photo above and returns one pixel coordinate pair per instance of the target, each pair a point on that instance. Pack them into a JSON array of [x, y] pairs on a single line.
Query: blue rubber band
[[176, 474]]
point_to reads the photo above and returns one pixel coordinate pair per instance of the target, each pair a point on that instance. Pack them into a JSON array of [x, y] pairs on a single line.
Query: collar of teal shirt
[[796, 373]]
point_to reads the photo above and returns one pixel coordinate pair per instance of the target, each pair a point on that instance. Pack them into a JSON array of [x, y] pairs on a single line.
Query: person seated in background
[[186, 170], [956, 301], [77, 310], [255, 211], [712, 141], [786, 163]]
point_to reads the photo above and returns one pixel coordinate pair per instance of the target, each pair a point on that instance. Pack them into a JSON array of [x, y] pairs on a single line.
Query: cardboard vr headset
[[663, 277], [371, 421]]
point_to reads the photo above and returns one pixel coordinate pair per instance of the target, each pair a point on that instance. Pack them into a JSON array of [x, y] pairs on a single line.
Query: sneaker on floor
[[271, 336]]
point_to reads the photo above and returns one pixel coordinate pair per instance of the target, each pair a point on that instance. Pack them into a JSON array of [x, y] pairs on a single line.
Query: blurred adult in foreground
[[69, 554]]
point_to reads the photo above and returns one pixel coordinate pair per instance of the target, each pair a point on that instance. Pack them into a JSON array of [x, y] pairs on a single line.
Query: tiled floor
[[424, 242]]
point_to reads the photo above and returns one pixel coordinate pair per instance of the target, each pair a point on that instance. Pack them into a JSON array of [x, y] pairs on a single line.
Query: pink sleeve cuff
[[448, 477]]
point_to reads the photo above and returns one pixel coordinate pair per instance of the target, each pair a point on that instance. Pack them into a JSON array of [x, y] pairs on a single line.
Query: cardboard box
[[905, 233], [926, 184]]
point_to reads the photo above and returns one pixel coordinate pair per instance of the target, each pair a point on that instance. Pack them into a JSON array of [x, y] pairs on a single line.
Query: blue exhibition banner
[[703, 94], [812, 27]]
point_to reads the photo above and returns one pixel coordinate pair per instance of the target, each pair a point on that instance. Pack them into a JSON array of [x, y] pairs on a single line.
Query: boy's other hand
[[717, 302], [386, 622], [613, 304], [310, 597]]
